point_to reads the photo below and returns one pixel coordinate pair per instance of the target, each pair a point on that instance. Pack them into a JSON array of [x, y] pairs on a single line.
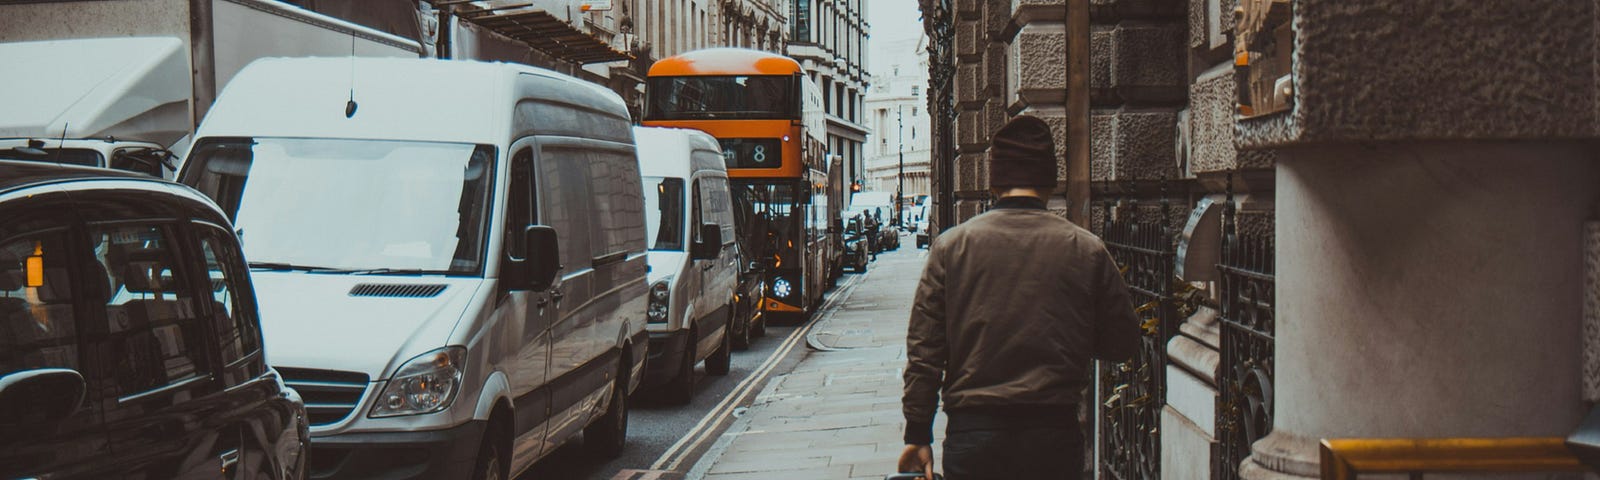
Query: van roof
[[665, 152], [395, 98]]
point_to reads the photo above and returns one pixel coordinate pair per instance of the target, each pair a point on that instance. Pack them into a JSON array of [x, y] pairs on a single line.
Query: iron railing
[[1247, 291], [1132, 393]]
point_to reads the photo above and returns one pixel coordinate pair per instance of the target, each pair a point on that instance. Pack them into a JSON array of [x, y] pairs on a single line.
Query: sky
[[891, 20]]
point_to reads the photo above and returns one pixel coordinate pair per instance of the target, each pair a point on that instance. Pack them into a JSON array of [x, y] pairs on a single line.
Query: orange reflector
[[777, 306], [35, 266], [1241, 59]]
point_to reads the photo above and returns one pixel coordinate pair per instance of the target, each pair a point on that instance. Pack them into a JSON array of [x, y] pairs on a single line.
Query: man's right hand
[[917, 458]]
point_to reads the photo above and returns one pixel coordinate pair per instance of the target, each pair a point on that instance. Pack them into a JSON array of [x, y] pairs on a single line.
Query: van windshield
[[338, 206], [663, 200]]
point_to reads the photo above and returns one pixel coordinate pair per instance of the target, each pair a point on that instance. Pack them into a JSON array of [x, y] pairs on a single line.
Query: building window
[[801, 25]]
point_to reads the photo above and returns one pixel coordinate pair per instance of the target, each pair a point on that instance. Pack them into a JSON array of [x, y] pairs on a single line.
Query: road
[[665, 440]]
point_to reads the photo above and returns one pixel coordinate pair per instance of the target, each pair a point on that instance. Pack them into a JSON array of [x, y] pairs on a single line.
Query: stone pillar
[[1427, 290], [1430, 218]]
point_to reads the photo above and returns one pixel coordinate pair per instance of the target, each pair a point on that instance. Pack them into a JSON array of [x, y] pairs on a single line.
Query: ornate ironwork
[[939, 25], [1247, 292], [1133, 393]]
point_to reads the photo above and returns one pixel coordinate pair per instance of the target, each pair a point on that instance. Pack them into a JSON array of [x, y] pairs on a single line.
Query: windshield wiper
[[285, 267], [393, 271]]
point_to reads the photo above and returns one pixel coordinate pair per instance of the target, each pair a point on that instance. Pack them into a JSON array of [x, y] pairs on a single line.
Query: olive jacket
[[1011, 306]]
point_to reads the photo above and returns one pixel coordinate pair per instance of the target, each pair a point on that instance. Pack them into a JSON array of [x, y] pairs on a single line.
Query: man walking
[[1011, 306]]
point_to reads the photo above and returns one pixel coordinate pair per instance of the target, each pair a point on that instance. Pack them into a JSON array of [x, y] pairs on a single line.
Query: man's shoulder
[[995, 222]]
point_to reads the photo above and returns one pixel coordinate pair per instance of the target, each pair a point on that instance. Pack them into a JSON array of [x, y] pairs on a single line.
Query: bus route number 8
[[759, 154]]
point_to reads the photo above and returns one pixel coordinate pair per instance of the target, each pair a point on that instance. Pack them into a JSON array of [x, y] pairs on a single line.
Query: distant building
[[897, 116], [828, 37]]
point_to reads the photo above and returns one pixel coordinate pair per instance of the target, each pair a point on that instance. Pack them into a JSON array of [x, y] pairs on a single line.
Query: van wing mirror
[[544, 257], [42, 396], [710, 245]]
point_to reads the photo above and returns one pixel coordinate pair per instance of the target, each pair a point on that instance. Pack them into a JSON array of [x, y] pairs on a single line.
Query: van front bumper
[[666, 355], [447, 453]]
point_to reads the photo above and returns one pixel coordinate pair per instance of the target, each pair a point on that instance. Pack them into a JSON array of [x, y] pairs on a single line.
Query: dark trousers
[[1017, 445]]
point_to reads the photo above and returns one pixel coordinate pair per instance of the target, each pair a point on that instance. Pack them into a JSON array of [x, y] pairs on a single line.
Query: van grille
[[330, 395], [396, 290]]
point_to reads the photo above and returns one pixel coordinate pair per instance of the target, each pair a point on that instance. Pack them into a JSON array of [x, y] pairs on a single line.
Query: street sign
[[595, 6]]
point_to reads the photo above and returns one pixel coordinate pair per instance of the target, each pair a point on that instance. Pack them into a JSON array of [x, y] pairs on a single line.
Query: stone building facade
[[645, 30], [829, 38], [897, 114], [1340, 218]]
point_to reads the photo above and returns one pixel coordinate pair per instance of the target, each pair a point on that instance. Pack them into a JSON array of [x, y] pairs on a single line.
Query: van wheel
[[741, 341], [491, 463], [606, 437], [719, 361], [681, 389]]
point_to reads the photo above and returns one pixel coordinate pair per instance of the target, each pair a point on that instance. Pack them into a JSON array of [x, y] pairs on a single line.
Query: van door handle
[[557, 295], [707, 266]]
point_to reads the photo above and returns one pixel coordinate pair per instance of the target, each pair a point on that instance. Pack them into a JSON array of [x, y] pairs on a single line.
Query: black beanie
[[1022, 154]]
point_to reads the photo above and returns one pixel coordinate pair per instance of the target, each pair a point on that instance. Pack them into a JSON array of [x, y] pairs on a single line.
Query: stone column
[[1434, 173], [1427, 290]]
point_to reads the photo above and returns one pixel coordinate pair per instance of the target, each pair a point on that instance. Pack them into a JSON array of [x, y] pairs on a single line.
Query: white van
[[449, 256], [694, 262]]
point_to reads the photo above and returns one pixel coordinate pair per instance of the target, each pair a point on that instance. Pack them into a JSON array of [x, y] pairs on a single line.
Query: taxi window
[[38, 328]]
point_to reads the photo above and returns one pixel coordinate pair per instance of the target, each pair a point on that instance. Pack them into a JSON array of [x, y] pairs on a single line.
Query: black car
[[856, 254], [129, 340]]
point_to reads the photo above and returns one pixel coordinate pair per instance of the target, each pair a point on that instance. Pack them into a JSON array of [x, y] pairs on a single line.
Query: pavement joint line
[[703, 466], [827, 318], [678, 450]]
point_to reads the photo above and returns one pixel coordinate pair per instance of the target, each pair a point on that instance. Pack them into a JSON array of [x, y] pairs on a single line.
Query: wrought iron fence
[[1132, 393], [1247, 290]]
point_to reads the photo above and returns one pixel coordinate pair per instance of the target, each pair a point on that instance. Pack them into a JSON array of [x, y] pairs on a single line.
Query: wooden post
[[1078, 138]]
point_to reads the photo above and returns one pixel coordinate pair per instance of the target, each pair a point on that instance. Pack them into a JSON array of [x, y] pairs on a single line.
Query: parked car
[[129, 339], [856, 254], [888, 238], [454, 281], [694, 265]]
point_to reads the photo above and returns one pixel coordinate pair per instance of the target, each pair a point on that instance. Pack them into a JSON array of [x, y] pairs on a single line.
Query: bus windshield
[[722, 97], [774, 223]]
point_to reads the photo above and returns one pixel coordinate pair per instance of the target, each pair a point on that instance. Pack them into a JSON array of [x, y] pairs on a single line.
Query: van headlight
[[660, 297], [425, 384]]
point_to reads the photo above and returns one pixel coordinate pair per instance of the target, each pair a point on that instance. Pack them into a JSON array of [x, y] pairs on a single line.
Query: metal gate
[[1247, 291], [1132, 393]]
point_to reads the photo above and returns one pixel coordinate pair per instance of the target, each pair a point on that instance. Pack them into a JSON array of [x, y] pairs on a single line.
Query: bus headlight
[[781, 287], [660, 297], [425, 384]]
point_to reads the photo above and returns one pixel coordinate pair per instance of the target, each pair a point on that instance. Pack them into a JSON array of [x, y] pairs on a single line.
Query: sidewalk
[[837, 415]]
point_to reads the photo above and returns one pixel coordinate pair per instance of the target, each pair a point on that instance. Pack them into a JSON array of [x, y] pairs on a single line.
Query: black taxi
[[129, 340]]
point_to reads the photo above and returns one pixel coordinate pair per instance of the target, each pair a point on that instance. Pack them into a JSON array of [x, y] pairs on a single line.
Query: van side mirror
[[42, 396], [544, 257], [710, 245]]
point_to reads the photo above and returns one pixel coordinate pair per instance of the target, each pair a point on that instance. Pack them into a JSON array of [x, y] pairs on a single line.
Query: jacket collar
[[1020, 202]]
